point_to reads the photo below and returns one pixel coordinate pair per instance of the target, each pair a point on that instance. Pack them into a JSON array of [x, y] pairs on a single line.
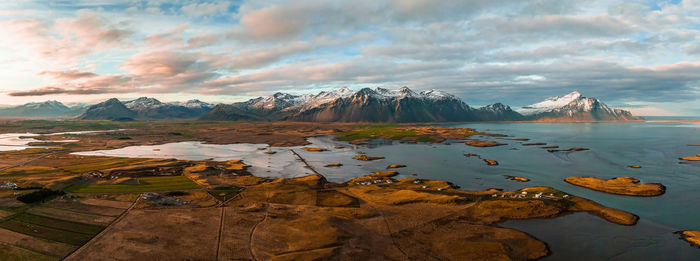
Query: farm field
[[52, 230], [145, 184]]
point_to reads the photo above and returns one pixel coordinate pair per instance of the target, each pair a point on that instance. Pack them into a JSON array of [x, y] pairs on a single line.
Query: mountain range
[[345, 105], [52, 109], [145, 108], [405, 105]]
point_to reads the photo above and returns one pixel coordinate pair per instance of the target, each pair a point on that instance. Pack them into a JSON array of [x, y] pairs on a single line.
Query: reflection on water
[[21, 141], [16, 141], [283, 163], [613, 146], [584, 237]]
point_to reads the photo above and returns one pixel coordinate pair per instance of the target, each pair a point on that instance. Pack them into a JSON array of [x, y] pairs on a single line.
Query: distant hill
[[42, 109], [145, 108], [150, 108], [573, 107], [111, 109]]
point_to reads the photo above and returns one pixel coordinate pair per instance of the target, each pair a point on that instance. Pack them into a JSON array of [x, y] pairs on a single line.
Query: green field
[[393, 132], [45, 231], [376, 131], [106, 164], [58, 224], [145, 184], [21, 171], [66, 214]]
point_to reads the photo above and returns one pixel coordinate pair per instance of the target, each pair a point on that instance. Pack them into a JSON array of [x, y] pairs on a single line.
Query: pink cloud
[[273, 23], [68, 75], [64, 41], [167, 39]]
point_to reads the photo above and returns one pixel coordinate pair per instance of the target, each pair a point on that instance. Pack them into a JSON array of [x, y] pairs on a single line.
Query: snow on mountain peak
[[143, 103], [195, 104], [573, 101], [397, 93], [436, 94]]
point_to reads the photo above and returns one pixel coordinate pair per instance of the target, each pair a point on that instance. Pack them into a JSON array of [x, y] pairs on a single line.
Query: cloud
[[64, 41], [511, 51], [204, 9], [146, 72], [202, 40], [279, 20], [68, 75], [168, 39], [555, 26], [39, 92]]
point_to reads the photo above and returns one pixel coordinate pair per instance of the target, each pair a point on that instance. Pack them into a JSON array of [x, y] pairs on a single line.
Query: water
[[16, 141], [21, 141], [656, 146]]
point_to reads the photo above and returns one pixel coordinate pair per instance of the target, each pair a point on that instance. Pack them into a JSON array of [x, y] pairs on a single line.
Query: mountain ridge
[[50, 108], [404, 105], [364, 105], [574, 107], [145, 108]]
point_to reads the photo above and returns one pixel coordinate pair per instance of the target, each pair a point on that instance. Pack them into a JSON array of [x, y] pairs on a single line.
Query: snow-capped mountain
[[573, 107], [146, 108], [143, 103], [364, 105], [277, 101], [194, 104], [367, 104]]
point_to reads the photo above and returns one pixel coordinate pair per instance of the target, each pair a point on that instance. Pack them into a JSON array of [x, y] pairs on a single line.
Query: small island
[[566, 150], [334, 164], [518, 179], [316, 149], [367, 158], [535, 144], [490, 162], [692, 237], [691, 158], [620, 185], [483, 143]]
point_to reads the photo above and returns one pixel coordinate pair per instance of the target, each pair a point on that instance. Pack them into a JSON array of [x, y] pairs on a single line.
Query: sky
[[639, 55]]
